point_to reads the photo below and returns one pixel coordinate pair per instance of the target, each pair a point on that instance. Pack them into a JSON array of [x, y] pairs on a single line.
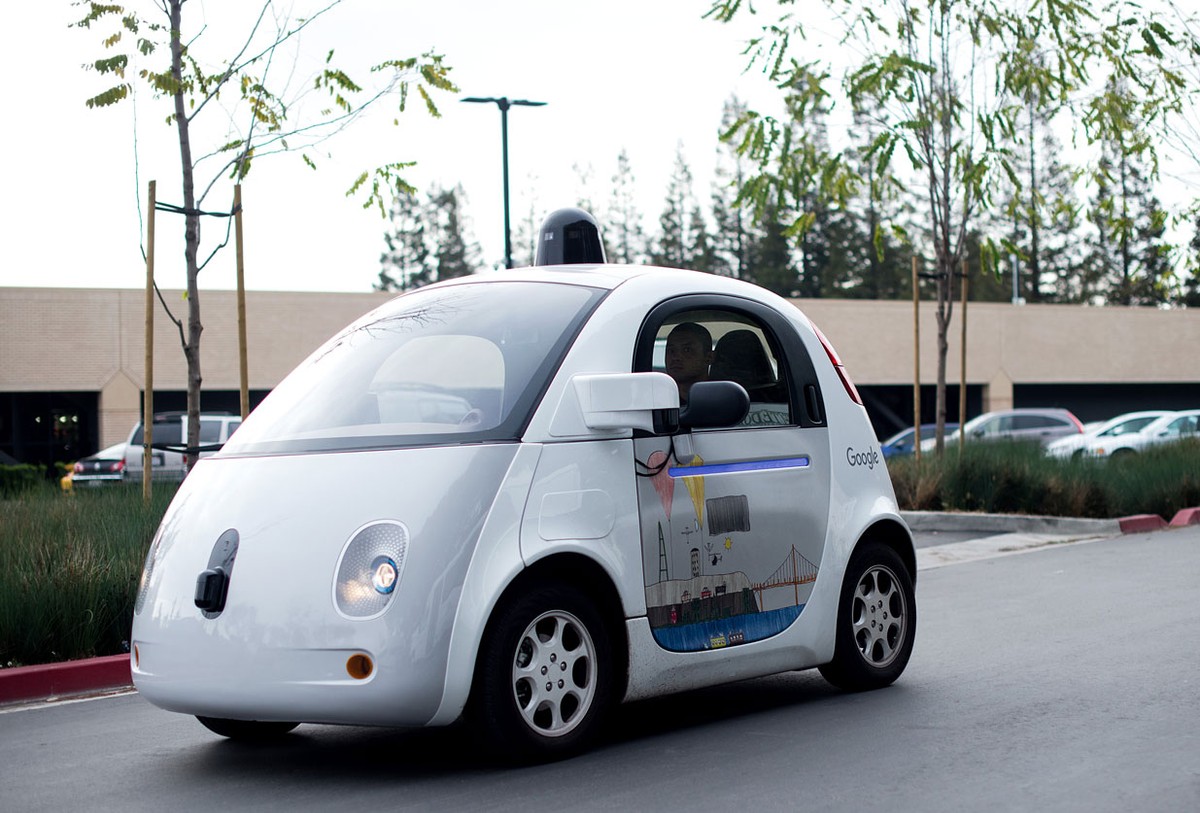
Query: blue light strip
[[732, 468]]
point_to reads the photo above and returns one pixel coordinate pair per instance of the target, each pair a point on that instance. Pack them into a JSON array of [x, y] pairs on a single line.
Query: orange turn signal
[[360, 666]]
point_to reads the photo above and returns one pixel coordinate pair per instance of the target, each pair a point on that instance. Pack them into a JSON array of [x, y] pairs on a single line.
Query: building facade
[[72, 377]]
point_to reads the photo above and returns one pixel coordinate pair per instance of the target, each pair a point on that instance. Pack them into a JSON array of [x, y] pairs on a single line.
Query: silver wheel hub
[[554, 673], [879, 616]]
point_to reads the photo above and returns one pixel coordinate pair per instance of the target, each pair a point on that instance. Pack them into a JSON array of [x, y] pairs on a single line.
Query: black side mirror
[[714, 403]]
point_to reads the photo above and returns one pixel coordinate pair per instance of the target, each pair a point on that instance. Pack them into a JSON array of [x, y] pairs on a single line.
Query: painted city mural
[[724, 561]]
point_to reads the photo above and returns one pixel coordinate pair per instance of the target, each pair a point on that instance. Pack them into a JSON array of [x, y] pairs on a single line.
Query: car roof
[[1163, 420], [636, 281], [1057, 412], [597, 276]]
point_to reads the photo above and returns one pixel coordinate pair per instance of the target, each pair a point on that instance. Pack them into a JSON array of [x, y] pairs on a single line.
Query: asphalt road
[[1061, 679]]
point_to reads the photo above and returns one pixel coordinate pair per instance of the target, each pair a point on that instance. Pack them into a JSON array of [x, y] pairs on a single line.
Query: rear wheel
[[246, 730], [876, 623], [544, 677]]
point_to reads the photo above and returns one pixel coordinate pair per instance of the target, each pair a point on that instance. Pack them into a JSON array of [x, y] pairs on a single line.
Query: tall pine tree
[[406, 263], [675, 238], [624, 229], [456, 254]]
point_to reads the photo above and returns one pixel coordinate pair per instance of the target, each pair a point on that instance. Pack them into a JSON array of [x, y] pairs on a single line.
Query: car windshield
[[463, 363]]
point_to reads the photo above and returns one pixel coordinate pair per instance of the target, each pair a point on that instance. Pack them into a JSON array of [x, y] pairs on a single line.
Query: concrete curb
[[55, 681], [1141, 523], [1186, 516], [966, 522]]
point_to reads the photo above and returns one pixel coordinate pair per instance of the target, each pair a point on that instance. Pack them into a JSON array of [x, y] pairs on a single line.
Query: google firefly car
[[490, 497]]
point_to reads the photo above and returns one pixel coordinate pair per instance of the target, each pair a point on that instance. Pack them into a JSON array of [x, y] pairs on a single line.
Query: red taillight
[[851, 390], [77, 468], [118, 466]]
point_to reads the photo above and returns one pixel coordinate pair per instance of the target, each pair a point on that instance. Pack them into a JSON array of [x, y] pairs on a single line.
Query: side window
[[994, 426], [210, 430], [1036, 422], [1176, 428], [717, 345], [164, 432]]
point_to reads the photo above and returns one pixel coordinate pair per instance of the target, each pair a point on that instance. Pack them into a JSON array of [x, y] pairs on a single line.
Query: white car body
[[776, 506], [1130, 422], [1170, 426]]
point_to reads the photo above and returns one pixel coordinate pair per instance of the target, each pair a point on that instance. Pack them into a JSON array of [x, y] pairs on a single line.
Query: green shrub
[[19, 479], [69, 569], [1019, 478]]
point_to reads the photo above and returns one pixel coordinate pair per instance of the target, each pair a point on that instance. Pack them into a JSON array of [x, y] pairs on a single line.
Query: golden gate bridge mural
[[795, 571], [712, 611]]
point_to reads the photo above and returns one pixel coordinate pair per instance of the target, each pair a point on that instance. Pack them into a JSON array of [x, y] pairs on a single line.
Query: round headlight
[[369, 569]]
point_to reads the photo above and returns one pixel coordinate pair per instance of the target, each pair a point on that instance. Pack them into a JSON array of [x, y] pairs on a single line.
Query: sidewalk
[[1000, 534]]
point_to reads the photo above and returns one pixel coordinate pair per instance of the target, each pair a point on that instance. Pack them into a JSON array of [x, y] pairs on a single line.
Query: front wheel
[[246, 730], [544, 677], [876, 622]]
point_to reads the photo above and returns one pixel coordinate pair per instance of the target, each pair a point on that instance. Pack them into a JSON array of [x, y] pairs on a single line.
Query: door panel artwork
[[731, 539]]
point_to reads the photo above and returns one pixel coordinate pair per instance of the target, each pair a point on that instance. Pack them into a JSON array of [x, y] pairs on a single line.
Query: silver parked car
[[1041, 424], [1075, 445]]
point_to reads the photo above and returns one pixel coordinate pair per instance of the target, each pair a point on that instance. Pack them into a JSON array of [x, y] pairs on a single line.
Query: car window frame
[[806, 404]]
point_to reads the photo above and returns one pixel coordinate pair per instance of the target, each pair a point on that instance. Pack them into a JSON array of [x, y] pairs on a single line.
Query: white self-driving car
[[485, 499]]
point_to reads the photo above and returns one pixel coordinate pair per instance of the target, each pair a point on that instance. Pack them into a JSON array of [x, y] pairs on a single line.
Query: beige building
[[71, 360]]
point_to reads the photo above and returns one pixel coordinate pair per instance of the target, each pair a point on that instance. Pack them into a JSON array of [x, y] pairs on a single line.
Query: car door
[[733, 519]]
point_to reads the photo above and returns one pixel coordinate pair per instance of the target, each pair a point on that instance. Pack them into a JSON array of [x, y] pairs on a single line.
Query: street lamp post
[[504, 103]]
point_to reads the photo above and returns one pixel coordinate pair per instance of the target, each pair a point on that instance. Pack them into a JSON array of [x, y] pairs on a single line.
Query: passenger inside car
[[689, 353]]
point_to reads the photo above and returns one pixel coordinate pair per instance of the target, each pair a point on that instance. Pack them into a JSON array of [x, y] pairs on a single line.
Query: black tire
[[876, 622], [543, 681], [246, 730]]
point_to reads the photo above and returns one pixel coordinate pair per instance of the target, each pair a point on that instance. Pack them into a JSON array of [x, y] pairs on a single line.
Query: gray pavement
[[1060, 681]]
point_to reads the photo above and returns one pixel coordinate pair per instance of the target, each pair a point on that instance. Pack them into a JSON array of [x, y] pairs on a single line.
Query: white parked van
[[170, 430]]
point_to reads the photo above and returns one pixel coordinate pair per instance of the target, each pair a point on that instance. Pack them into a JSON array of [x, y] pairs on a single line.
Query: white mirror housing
[[624, 401]]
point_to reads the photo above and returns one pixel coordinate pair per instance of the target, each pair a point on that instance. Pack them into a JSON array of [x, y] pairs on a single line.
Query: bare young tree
[[149, 43]]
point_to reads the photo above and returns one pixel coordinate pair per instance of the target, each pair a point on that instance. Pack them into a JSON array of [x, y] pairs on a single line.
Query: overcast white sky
[[642, 75]]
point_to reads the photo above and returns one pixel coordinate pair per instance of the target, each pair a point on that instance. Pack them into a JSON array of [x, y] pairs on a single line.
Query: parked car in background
[[170, 429], [901, 443], [1170, 427], [1041, 424], [105, 467], [1074, 445]]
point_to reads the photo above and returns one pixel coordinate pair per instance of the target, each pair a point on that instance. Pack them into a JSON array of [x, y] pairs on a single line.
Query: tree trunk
[[1035, 262], [191, 348]]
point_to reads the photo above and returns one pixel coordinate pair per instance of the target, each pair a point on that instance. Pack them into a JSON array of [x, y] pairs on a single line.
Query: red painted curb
[[1186, 516], [53, 680], [1140, 523]]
